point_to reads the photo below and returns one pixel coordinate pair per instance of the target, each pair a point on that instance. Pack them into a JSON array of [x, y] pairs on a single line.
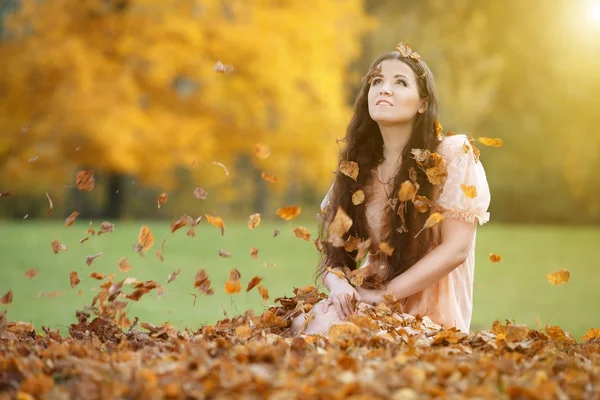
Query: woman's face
[[394, 95]]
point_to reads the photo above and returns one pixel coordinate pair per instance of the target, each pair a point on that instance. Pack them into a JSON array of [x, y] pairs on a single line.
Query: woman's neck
[[395, 138]]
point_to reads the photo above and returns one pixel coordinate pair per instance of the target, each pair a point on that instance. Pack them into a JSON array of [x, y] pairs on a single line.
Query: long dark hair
[[364, 145]]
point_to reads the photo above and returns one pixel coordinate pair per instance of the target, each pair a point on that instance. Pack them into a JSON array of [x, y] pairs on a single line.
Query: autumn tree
[[141, 87]]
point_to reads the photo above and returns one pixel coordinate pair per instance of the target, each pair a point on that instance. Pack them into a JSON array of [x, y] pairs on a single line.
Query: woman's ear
[[424, 103]]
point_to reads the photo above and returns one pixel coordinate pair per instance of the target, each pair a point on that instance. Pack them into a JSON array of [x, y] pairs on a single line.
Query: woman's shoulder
[[452, 142]]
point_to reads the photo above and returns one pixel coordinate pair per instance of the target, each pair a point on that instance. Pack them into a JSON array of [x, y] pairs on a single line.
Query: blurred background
[[151, 94]]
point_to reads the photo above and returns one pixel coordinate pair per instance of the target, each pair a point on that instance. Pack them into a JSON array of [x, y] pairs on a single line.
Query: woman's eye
[[402, 82], [376, 81]]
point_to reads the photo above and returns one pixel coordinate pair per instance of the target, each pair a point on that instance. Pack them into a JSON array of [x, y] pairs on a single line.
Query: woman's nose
[[385, 90]]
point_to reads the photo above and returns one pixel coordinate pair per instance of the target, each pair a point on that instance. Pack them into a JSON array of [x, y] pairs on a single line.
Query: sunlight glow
[[594, 12]]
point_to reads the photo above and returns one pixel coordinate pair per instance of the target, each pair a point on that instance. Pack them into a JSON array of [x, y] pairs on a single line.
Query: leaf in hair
[[350, 169], [433, 219], [338, 227], [358, 197], [407, 190], [386, 249], [363, 247]]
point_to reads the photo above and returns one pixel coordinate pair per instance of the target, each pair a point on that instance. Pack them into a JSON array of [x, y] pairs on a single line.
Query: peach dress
[[448, 302]]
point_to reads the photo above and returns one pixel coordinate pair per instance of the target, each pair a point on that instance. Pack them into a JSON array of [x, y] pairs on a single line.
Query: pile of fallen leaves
[[379, 353]]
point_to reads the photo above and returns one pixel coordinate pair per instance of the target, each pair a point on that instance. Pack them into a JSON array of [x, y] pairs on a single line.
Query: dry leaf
[[7, 298], [495, 258], [350, 169], [85, 180], [145, 238], [50, 294], [216, 221], [106, 227], [288, 213], [254, 253], [358, 197], [336, 272], [50, 204], [262, 151], [302, 233], [491, 142], [476, 152], [31, 273], [338, 227], [160, 252], [254, 221], [559, 277], [434, 218], [97, 275], [438, 129], [269, 265], [224, 253], [162, 199], [90, 259], [593, 334], [469, 191], [203, 283], [173, 275], [436, 175], [222, 68], [386, 249], [74, 279], [412, 174], [222, 166], [422, 203], [351, 244], [58, 246], [363, 247], [200, 193], [275, 232], [233, 285], [5, 194], [71, 218], [253, 282], [269, 177], [180, 223], [264, 293], [124, 265], [407, 191], [85, 239]]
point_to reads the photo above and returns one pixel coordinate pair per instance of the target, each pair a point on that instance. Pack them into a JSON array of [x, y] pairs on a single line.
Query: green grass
[[515, 289]]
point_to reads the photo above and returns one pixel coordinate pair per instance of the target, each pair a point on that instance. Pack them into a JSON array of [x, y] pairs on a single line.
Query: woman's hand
[[338, 298], [370, 296]]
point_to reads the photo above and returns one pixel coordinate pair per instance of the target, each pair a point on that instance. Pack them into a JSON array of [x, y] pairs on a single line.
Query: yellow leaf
[[491, 142], [339, 226], [386, 249], [469, 191], [495, 258], [269, 178], [434, 218], [288, 213], [146, 238], [254, 221], [350, 169], [407, 190], [262, 151], [559, 277], [358, 197], [216, 221], [302, 233]]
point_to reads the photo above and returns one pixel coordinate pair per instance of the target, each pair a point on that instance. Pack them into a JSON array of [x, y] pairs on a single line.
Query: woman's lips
[[383, 103]]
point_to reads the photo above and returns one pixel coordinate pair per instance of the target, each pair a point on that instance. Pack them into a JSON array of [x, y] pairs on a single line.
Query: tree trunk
[[114, 196]]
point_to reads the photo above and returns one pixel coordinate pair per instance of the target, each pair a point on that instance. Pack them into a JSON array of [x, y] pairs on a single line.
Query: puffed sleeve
[[463, 169]]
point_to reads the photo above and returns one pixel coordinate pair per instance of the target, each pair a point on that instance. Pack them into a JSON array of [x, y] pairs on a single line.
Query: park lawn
[[515, 289]]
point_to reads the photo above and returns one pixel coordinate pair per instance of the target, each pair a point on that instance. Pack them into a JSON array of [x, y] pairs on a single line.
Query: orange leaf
[[85, 180], [254, 253], [97, 275], [254, 221], [559, 277], [358, 197], [469, 191], [491, 142], [233, 286], [31, 273], [386, 249], [407, 190], [173, 275], [216, 221], [74, 279], [592, 334], [253, 282], [262, 151], [302, 233], [495, 258], [71, 218], [145, 238], [162, 199], [7, 298], [58, 246], [269, 177], [350, 169], [264, 293], [288, 213], [124, 265]]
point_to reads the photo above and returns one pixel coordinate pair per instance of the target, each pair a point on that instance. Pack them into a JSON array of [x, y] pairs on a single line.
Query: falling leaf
[[386, 249], [85, 239], [350, 169], [180, 223], [162, 199], [80, 293], [90, 259], [159, 291], [269, 265], [358, 197], [253, 282], [434, 218], [302, 233], [222, 68], [31, 273], [407, 191], [50, 204], [216, 221], [124, 265], [5, 194], [7, 298], [420, 156], [276, 232], [222, 166], [264, 293], [491, 142], [200, 193], [254, 221], [288, 213], [559, 277], [106, 227], [74, 279], [269, 177], [160, 252], [173, 275], [469, 191], [233, 285], [85, 180], [71, 218], [97, 275], [262, 151], [58, 246], [203, 283], [145, 238], [495, 258], [338, 227], [254, 253], [224, 253]]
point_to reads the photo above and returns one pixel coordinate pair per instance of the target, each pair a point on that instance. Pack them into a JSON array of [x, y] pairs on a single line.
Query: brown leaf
[[262, 151], [469, 191], [71, 218], [97, 275], [216, 221], [358, 197], [350, 169], [412, 174], [31, 273], [559, 277], [173, 275], [222, 166], [302, 233], [254, 221], [7, 298], [180, 223], [338, 227], [363, 247], [162, 199], [495, 258], [224, 253], [253, 282], [90, 259], [145, 238], [490, 142], [275, 232], [233, 285], [74, 279], [288, 213], [407, 191], [264, 293], [5, 194], [85, 239], [50, 204], [254, 253], [557, 334], [106, 227], [58, 246], [269, 177], [386, 249], [160, 252], [124, 265], [203, 283], [593, 334], [200, 193], [351, 244], [85, 180]]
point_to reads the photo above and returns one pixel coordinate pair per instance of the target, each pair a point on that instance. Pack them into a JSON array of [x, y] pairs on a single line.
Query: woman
[[408, 173]]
